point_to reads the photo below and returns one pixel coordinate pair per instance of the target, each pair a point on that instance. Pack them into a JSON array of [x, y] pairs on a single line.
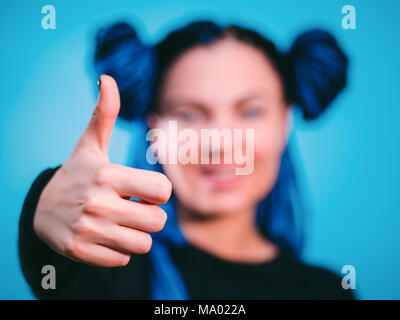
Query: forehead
[[222, 71]]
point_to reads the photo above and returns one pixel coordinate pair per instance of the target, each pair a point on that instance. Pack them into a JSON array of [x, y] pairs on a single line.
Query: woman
[[227, 235]]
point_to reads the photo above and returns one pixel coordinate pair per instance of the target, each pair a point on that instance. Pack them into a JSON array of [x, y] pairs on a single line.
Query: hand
[[84, 212]]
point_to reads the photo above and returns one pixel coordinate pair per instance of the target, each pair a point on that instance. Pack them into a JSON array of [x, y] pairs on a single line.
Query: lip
[[220, 176]]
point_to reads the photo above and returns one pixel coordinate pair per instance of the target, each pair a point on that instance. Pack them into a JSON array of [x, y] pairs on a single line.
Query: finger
[[98, 132], [125, 239], [99, 255], [150, 186], [130, 213]]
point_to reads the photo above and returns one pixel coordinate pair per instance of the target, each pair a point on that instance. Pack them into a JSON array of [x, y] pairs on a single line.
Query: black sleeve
[[328, 285], [322, 284], [74, 280]]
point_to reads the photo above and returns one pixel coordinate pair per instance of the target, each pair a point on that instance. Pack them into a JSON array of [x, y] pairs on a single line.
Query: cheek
[[269, 143], [266, 169], [270, 138]]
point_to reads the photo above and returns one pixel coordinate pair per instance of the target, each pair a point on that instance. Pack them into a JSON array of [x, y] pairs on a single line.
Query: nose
[[217, 140]]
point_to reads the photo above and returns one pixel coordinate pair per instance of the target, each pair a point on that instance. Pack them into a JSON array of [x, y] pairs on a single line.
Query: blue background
[[349, 158]]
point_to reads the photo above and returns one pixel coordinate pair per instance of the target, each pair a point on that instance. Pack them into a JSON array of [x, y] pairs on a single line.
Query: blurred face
[[226, 85]]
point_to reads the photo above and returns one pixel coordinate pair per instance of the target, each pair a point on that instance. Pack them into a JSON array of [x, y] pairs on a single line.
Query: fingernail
[[99, 83]]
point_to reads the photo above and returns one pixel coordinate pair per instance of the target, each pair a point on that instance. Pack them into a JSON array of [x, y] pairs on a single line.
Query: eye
[[187, 115], [252, 112]]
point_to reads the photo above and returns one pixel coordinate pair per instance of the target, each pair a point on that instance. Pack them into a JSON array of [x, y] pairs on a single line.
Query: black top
[[205, 275]]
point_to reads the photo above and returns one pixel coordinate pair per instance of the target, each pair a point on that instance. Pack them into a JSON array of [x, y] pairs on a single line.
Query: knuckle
[[73, 248], [90, 203], [81, 226], [102, 176]]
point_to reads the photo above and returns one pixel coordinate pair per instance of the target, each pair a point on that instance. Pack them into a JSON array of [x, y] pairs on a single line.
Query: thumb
[[98, 132]]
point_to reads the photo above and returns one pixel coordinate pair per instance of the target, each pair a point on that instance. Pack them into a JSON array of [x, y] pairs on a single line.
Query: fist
[[85, 212]]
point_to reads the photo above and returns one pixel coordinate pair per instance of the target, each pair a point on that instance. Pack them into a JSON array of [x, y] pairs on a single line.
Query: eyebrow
[[254, 94], [176, 102], [203, 106]]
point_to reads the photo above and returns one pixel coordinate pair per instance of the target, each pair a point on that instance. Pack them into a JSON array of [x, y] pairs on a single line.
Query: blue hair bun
[[121, 54], [319, 71]]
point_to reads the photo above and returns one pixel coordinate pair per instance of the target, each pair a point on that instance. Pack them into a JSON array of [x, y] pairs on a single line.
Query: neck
[[231, 236]]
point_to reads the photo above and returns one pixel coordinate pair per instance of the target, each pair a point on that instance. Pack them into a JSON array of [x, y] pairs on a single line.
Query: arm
[[80, 219]]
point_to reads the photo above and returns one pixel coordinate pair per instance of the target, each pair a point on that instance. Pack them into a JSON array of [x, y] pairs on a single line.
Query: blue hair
[[313, 72]]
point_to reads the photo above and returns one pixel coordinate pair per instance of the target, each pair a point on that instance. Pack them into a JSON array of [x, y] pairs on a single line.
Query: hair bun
[[319, 71], [121, 54]]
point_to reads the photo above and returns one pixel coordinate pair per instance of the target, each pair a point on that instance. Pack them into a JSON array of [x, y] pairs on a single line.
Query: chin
[[220, 204]]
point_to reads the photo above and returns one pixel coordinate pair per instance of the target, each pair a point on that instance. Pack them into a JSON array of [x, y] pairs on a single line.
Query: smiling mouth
[[220, 176]]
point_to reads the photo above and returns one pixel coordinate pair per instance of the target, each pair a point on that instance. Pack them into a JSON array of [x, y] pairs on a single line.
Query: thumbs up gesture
[[85, 213]]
